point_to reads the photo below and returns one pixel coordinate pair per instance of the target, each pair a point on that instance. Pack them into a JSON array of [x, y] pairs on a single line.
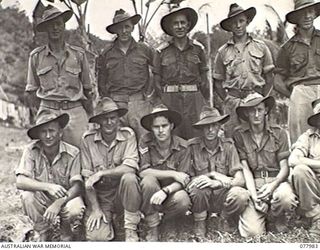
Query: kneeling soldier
[[49, 174], [164, 163], [218, 181], [109, 159], [263, 150]]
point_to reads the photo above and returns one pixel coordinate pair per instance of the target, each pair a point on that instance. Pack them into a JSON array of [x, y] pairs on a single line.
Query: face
[[161, 128], [180, 26], [55, 28], [211, 131], [109, 123], [306, 17], [50, 134], [257, 114], [239, 25], [124, 30]]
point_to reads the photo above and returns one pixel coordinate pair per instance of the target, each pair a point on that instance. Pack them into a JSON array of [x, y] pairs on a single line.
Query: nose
[[257, 113], [211, 127], [109, 121], [48, 134], [160, 129], [179, 25]]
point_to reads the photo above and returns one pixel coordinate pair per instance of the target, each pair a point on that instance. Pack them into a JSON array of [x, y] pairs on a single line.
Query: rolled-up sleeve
[[219, 72], [75, 170], [86, 162], [185, 164], [302, 144], [239, 145], [233, 160], [26, 165], [130, 156], [283, 152], [282, 63], [32, 77], [85, 73], [268, 64]]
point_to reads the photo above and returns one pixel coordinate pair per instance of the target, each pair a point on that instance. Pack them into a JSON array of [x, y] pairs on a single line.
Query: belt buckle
[[264, 174], [179, 88]]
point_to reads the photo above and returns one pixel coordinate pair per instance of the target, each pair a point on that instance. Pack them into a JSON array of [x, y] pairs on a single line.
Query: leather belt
[[180, 88], [60, 104], [127, 98], [243, 93], [265, 173]]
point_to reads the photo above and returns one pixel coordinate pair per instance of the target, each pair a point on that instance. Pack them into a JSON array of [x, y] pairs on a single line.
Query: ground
[[13, 224]]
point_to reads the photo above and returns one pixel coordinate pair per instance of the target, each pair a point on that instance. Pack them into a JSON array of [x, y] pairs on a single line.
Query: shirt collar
[[175, 144], [217, 149], [297, 36], [119, 136], [133, 43], [315, 131], [62, 148], [48, 51], [231, 41], [189, 43], [246, 127]]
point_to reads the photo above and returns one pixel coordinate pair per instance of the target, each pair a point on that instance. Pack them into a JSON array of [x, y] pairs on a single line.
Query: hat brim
[[173, 116], [210, 120], [42, 26], [242, 110], [62, 119], [121, 112], [112, 27], [189, 12], [250, 13], [292, 17], [312, 120]]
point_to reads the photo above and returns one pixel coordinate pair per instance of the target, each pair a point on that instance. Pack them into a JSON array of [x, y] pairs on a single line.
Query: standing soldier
[[164, 163], [49, 175], [298, 66], [242, 66], [124, 73], [183, 70], [109, 159], [58, 75], [218, 180], [263, 150]]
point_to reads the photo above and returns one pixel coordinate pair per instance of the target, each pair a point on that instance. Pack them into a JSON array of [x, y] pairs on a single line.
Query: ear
[[171, 126]]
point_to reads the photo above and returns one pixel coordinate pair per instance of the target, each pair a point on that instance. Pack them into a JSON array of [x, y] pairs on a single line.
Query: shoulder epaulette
[[77, 48], [194, 141], [37, 50], [128, 131], [107, 48], [163, 46], [73, 150], [89, 132], [198, 44]]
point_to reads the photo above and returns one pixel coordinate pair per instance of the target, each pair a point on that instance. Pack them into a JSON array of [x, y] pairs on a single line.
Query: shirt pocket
[[168, 60], [256, 61], [63, 175], [220, 165], [317, 58], [73, 76], [202, 167], [252, 158], [269, 157], [229, 65], [298, 62], [46, 78]]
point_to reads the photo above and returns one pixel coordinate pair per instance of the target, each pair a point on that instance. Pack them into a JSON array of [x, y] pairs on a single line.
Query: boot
[[131, 235], [200, 228], [153, 234]]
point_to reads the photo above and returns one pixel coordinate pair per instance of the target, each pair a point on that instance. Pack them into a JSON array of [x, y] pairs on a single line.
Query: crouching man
[[305, 159], [218, 182], [263, 150], [49, 174], [164, 170], [109, 159]]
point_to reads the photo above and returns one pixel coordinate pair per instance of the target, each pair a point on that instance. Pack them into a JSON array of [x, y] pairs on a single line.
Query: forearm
[[72, 193], [117, 171], [238, 180], [220, 90], [159, 174], [280, 86], [92, 199], [174, 187], [29, 184], [249, 180], [269, 84], [312, 163], [283, 173]]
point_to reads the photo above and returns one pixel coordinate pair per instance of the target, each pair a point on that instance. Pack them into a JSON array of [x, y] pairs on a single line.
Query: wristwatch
[[166, 190]]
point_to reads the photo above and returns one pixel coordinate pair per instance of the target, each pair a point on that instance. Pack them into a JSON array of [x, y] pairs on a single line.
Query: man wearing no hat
[[49, 175], [124, 71], [183, 81], [58, 75], [298, 66], [263, 150], [242, 66], [305, 160], [109, 160]]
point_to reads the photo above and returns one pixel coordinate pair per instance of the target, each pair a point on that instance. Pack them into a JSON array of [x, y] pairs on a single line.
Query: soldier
[[49, 175], [304, 159], [298, 66], [243, 65], [218, 182], [263, 151], [124, 71], [58, 75], [183, 79], [164, 162], [109, 159]]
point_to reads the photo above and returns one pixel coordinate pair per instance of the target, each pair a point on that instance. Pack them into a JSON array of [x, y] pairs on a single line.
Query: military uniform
[[241, 73], [112, 192], [60, 86], [178, 160], [224, 160], [263, 161], [64, 171], [125, 77]]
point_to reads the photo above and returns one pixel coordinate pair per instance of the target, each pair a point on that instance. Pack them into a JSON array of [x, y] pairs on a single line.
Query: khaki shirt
[[274, 147], [97, 155], [299, 62], [243, 69], [224, 159], [177, 160], [58, 80], [64, 170], [309, 144]]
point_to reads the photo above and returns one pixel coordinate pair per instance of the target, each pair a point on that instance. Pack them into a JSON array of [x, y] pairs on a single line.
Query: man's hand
[[225, 180], [93, 179], [50, 215], [204, 181], [266, 191], [56, 191], [95, 218], [182, 178], [261, 206], [158, 197]]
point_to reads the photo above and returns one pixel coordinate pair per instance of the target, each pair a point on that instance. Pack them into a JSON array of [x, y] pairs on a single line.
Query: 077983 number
[[309, 245]]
